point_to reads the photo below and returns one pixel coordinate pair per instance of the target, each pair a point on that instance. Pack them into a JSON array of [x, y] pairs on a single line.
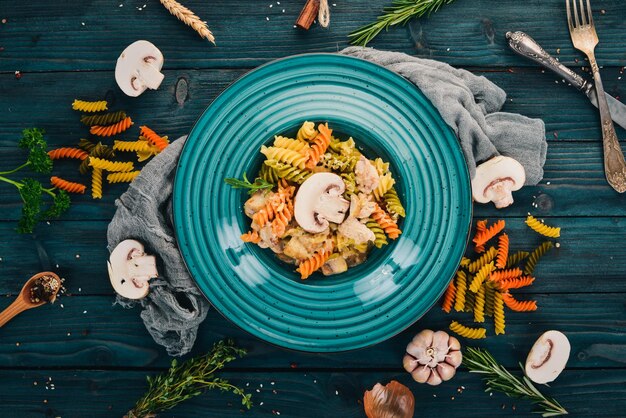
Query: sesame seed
[[62, 306], [272, 383], [82, 23], [557, 245], [260, 384], [448, 49], [84, 312], [271, 5], [283, 10], [258, 391], [17, 344], [547, 182], [336, 392], [77, 255], [69, 333], [261, 404], [267, 18]]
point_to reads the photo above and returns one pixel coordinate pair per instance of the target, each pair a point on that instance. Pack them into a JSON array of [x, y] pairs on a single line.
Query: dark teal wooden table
[[97, 355]]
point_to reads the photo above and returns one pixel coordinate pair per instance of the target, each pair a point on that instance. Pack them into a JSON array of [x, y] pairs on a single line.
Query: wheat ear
[[189, 18]]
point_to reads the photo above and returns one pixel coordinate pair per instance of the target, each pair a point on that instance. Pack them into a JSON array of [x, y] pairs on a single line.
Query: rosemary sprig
[[399, 13], [500, 379], [189, 379], [259, 184]]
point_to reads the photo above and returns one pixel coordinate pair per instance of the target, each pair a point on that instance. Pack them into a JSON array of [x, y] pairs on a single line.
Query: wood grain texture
[[105, 337], [184, 94], [40, 36], [296, 394]]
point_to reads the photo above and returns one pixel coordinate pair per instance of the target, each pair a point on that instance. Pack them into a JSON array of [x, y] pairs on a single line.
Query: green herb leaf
[[31, 192], [38, 158], [500, 379], [399, 13], [259, 184], [60, 204]]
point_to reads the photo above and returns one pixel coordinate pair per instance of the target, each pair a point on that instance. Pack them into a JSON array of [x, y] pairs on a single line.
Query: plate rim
[[287, 345]]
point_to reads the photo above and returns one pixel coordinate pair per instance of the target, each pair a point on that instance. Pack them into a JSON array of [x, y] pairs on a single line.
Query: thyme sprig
[[187, 380], [259, 184], [500, 379], [399, 13]]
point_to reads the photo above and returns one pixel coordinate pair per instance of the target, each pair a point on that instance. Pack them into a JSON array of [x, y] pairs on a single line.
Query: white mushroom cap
[[139, 68], [496, 178], [130, 269], [547, 357], [319, 202]]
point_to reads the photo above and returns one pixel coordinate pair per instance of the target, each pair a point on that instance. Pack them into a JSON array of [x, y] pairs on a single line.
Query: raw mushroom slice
[[496, 179], [130, 269], [139, 68], [319, 202], [548, 357]]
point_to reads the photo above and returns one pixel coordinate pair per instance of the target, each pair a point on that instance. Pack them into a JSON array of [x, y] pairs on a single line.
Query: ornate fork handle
[[614, 164], [527, 47]]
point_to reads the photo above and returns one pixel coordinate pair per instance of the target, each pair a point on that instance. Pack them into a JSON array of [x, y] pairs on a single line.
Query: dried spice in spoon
[[45, 289]]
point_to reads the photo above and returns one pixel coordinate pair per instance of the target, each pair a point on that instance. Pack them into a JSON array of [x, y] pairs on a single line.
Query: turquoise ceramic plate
[[389, 118]]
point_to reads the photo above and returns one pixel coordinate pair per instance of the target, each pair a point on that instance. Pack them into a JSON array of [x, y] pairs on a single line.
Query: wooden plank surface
[[93, 393], [103, 336], [90, 36]]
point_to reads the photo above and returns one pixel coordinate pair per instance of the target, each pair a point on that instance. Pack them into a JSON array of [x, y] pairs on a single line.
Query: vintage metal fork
[[585, 39]]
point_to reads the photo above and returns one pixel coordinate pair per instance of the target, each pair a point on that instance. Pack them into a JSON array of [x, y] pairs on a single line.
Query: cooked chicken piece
[[335, 265], [366, 175], [295, 248], [361, 206], [269, 239], [256, 202], [353, 229]]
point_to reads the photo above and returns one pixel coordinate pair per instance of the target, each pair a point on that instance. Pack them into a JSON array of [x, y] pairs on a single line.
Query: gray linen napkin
[[470, 106], [174, 308]]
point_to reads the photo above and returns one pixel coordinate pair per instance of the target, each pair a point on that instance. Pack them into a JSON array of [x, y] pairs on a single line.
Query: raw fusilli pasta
[[68, 186], [479, 305], [498, 313], [86, 145], [489, 292], [67, 152], [110, 165], [84, 106], [480, 277], [461, 289], [515, 259], [131, 146], [111, 130], [153, 138], [515, 283], [534, 257], [481, 226], [486, 258], [518, 306], [103, 119], [543, 229], [499, 275], [96, 183], [448, 297], [484, 236], [100, 151], [503, 251], [122, 177], [467, 332]]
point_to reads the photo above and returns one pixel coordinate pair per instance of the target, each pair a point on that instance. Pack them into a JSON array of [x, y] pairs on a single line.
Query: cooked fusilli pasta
[[252, 236], [467, 332], [68, 186], [90, 107], [385, 183], [543, 229], [386, 223], [96, 183], [111, 130], [122, 177], [287, 156], [287, 171], [319, 145], [381, 238], [393, 204], [269, 174], [67, 152], [292, 144], [110, 165], [103, 119], [313, 263], [306, 132]]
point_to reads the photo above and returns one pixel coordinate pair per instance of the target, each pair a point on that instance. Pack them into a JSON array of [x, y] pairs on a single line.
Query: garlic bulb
[[432, 357], [393, 400]]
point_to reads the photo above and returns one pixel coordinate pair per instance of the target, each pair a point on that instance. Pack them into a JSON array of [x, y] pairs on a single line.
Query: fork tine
[[569, 15], [583, 18], [589, 14], [576, 21]]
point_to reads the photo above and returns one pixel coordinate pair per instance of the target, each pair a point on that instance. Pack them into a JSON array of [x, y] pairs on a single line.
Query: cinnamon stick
[[308, 14]]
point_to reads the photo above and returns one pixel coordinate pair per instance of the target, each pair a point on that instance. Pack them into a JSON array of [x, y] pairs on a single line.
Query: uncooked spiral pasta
[[479, 305], [292, 144], [154, 138], [517, 305], [86, 145], [287, 171], [103, 119], [498, 313], [313, 263], [481, 238], [89, 107], [543, 229], [319, 144], [481, 226], [122, 177], [111, 130], [467, 332], [448, 297], [96, 183], [486, 258], [380, 237], [533, 258], [67, 152], [130, 146], [490, 291], [503, 251], [386, 223], [306, 132], [480, 277], [465, 261], [287, 156], [393, 204], [515, 283], [461, 289], [99, 151], [385, 183], [110, 165], [68, 186], [500, 275], [515, 259]]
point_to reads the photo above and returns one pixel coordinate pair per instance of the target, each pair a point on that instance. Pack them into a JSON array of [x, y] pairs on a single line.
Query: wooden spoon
[[23, 302]]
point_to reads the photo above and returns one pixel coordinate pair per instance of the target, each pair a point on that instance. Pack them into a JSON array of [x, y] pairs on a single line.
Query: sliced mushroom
[[336, 264], [139, 68], [548, 357], [495, 179], [319, 202], [130, 269]]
